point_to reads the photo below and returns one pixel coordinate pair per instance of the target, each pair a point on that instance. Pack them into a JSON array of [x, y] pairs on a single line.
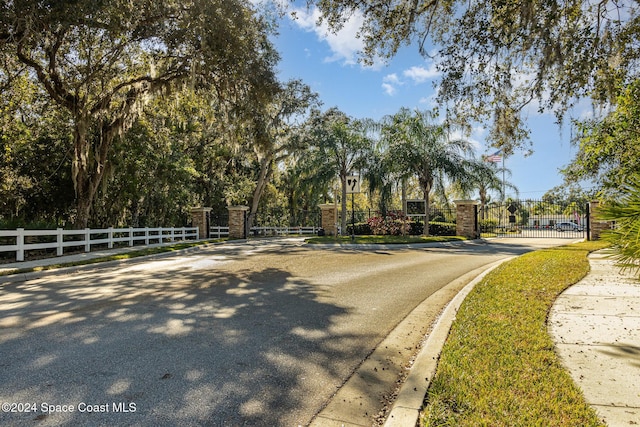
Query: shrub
[[394, 224], [487, 225], [417, 228], [435, 228], [442, 229], [625, 236], [361, 229]]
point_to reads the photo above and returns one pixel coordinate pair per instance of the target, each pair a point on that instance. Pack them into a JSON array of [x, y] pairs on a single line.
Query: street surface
[[257, 333]]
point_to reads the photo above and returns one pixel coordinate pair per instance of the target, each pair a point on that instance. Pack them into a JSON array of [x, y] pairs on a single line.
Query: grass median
[[498, 366]]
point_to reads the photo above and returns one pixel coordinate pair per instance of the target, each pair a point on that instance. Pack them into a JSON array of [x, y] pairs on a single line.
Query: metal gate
[[533, 218]]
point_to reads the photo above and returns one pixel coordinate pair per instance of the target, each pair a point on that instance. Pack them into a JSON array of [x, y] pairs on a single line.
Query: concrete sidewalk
[[596, 327]]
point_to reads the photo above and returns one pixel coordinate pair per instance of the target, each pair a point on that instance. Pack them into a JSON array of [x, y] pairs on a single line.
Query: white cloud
[[344, 44], [389, 89], [392, 78], [421, 74], [390, 82]]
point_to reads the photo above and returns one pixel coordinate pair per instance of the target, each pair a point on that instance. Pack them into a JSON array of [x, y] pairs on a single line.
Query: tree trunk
[[427, 208], [343, 219], [88, 166], [84, 179], [404, 196], [263, 179], [425, 232]]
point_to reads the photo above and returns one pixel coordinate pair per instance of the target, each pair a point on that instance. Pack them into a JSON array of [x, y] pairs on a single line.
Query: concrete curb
[[406, 408]]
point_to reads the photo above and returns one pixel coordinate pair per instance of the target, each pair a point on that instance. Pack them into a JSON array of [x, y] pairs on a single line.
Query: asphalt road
[[258, 333]]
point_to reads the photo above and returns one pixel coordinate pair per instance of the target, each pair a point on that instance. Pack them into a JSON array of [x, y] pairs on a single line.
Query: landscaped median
[[498, 366]]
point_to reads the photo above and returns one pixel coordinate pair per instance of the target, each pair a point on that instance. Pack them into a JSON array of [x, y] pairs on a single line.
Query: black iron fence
[[533, 218]]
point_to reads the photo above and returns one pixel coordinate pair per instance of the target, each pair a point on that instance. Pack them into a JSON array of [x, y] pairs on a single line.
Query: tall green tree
[[102, 61], [498, 56], [608, 146], [274, 133], [35, 182], [486, 179], [426, 150], [342, 144], [306, 182]]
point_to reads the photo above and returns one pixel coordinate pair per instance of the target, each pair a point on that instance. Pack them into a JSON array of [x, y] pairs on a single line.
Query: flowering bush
[[395, 224]]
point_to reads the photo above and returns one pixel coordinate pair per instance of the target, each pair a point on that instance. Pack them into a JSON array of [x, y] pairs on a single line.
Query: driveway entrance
[[258, 333]]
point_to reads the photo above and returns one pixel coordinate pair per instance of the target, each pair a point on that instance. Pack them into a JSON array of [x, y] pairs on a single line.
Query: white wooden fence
[[277, 231], [218, 231], [89, 237], [59, 239]]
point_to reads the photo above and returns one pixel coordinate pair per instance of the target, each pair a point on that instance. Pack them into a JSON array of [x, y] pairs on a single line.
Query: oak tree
[[102, 61], [498, 57]]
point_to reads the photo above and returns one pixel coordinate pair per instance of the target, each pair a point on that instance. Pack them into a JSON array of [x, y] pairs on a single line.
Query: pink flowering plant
[[395, 224]]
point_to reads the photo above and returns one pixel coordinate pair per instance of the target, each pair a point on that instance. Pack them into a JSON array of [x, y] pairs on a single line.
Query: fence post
[[110, 237], [130, 236], [59, 241], [87, 240], [20, 244], [146, 235], [160, 235]]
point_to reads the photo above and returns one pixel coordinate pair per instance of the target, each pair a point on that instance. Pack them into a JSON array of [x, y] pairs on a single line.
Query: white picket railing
[[270, 231], [89, 237], [218, 231]]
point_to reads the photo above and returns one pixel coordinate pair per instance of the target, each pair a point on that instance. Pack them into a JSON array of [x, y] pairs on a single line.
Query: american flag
[[494, 158]]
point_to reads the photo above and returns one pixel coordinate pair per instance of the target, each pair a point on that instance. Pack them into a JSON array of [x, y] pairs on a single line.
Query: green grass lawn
[[498, 366], [383, 239]]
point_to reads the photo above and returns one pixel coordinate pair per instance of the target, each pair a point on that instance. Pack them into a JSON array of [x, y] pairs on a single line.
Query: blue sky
[[328, 64]]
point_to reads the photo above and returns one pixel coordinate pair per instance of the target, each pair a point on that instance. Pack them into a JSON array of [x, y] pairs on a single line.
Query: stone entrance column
[[467, 219], [329, 219], [238, 222], [200, 217]]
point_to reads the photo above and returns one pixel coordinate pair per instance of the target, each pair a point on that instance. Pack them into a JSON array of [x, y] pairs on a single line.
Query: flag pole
[[503, 193]]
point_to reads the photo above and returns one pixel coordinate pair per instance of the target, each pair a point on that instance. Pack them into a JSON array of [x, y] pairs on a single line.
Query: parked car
[[568, 226]]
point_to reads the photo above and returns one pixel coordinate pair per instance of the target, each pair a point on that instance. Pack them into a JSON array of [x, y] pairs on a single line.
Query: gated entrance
[[533, 218]]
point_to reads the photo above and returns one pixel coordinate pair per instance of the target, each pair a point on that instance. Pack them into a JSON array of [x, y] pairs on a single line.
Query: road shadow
[[178, 347]]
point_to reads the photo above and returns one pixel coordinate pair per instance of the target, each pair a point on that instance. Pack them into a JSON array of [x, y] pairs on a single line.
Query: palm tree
[[423, 148], [342, 144], [486, 178]]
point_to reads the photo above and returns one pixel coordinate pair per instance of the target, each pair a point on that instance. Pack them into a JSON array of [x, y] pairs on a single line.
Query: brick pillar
[[467, 219], [200, 217], [596, 226], [238, 222], [329, 219]]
